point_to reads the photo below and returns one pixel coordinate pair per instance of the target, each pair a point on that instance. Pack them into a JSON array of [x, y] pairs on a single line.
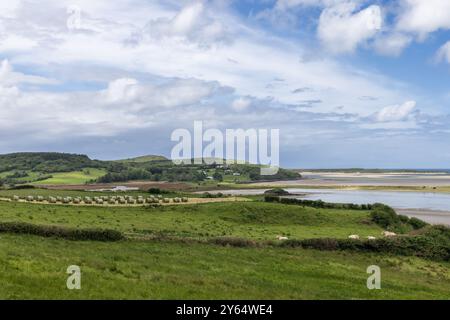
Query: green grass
[[253, 220], [35, 268], [74, 177]]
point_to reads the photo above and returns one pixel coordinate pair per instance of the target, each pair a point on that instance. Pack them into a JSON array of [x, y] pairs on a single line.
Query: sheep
[[131, 201], [388, 234], [371, 238], [30, 198], [66, 200], [112, 201], [76, 200], [52, 200], [16, 198], [166, 200], [353, 236], [185, 199], [282, 238], [140, 201], [59, 199], [122, 201], [99, 201]]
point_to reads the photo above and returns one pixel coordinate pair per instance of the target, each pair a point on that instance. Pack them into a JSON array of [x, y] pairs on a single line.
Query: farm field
[[73, 177], [170, 252], [252, 220], [34, 268]]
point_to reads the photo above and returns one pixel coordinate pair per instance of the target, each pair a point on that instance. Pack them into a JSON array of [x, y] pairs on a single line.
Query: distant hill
[[65, 168], [46, 162], [141, 159]]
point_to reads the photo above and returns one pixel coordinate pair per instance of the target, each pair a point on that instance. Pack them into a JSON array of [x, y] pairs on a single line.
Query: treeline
[[61, 232], [317, 203], [47, 162]]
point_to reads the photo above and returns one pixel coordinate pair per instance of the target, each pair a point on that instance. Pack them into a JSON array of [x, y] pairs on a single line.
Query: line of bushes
[[387, 218], [317, 203], [61, 232], [433, 245]]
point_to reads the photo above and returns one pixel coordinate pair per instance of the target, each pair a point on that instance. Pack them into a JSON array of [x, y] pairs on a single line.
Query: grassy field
[[74, 177], [33, 267], [253, 220]]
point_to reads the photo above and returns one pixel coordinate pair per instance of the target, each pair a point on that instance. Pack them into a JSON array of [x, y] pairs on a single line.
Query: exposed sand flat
[[365, 179], [430, 216]]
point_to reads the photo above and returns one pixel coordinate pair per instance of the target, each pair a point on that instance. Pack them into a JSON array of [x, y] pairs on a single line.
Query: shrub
[[61, 232], [277, 192], [233, 242]]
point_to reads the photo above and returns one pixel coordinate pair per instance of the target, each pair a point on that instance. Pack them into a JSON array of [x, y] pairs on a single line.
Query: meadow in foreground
[[33, 267], [161, 258]]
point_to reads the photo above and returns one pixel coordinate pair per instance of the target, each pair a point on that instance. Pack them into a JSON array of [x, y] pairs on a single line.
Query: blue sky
[[349, 83]]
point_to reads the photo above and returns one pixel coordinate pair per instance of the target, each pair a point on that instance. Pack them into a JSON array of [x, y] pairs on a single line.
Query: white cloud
[[342, 28], [193, 22], [423, 17], [9, 77], [392, 44], [396, 112], [443, 53], [241, 104]]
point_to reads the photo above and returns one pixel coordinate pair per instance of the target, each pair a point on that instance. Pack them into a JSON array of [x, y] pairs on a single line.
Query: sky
[[349, 83]]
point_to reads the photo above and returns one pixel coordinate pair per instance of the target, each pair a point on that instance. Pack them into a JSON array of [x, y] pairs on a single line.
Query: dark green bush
[[435, 245], [233, 242], [61, 232]]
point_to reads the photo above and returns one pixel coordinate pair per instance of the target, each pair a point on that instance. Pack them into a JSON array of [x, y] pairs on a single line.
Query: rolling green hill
[[64, 168]]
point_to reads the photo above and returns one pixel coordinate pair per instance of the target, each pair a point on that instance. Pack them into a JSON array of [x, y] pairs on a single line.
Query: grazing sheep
[[353, 236], [52, 200], [388, 234], [122, 201], [30, 198], [185, 199], [140, 201], [371, 238], [16, 198], [76, 201], [99, 201], [166, 200], [131, 201], [112, 201], [282, 238], [59, 198]]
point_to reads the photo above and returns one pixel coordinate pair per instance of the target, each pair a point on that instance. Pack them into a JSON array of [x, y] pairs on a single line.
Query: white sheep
[[371, 238], [353, 236], [281, 238], [388, 234]]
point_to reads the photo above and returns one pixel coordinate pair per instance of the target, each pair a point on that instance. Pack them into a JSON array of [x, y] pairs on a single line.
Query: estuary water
[[432, 207]]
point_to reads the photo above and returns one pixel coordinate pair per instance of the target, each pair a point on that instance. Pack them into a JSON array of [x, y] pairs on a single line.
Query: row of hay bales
[[102, 199]]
